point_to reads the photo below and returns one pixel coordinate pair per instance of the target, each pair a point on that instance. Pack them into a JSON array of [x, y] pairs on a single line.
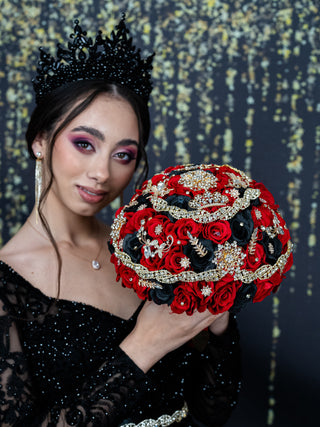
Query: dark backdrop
[[234, 82]]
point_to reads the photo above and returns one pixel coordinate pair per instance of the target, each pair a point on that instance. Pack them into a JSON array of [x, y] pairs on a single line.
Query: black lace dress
[[60, 364]]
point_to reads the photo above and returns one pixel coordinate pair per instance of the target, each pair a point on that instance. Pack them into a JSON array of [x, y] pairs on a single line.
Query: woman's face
[[94, 157]]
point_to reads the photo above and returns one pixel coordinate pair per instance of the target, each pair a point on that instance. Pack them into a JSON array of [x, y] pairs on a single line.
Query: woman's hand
[[158, 331], [220, 324]]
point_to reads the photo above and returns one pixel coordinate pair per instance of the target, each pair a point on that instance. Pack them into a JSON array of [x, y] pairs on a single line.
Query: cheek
[[64, 162]]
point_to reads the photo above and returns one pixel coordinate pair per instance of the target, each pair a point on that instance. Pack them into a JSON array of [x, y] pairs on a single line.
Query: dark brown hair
[[64, 104]]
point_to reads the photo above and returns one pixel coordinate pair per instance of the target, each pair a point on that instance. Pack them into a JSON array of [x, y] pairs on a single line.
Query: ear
[[39, 146]]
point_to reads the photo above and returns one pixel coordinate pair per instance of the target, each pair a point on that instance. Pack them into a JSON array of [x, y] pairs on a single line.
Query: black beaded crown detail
[[115, 60]]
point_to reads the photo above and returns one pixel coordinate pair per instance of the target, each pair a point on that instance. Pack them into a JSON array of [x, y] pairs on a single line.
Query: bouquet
[[200, 237]]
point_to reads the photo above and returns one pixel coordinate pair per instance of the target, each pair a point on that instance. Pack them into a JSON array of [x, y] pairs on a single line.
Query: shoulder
[[30, 258]]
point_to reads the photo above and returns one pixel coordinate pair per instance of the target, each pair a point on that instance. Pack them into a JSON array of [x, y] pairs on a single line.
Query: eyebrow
[[97, 134]]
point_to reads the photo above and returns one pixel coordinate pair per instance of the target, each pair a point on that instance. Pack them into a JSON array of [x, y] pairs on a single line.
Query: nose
[[99, 171]]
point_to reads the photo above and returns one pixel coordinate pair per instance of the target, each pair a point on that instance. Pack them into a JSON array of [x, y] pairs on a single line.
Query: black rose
[[242, 227], [200, 255], [132, 246], [244, 295], [162, 296], [110, 246], [272, 247], [255, 202], [142, 200], [179, 200]]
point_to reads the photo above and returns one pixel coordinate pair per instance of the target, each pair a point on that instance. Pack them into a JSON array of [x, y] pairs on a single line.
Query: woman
[[77, 348]]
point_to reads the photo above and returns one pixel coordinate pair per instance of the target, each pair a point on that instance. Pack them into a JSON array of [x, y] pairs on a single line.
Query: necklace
[[95, 264]]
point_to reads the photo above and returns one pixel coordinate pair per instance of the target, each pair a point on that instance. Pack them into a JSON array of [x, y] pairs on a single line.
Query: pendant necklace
[[95, 264]]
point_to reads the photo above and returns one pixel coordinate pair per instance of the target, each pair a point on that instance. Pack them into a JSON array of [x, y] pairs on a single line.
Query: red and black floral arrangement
[[201, 236]]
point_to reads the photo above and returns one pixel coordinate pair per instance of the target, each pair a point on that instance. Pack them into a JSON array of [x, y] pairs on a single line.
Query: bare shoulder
[[27, 255]]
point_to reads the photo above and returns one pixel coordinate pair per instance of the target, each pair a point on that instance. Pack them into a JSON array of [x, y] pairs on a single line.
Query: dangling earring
[[38, 182]]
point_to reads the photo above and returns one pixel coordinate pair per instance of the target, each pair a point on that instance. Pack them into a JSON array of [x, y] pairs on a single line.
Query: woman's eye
[[126, 157], [83, 145]]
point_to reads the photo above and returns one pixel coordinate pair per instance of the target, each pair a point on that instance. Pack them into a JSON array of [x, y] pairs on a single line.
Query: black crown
[[114, 60]]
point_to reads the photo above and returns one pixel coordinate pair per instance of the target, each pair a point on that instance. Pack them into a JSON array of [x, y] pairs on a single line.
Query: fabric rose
[[262, 216], [224, 294], [139, 201], [204, 291], [175, 261], [242, 227], [218, 231], [185, 299], [158, 178], [177, 188], [134, 223], [245, 294], [256, 259], [201, 255], [157, 227], [264, 288], [142, 292], [129, 277], [162, 296], [265, 195], [181, 201], [273, 248], [132, 246], [184, 227]]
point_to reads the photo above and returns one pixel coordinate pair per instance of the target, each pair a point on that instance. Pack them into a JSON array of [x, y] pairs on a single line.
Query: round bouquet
[[200, 237]]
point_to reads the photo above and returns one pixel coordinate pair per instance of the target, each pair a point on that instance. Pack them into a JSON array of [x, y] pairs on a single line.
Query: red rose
[[185, 300], [262, 215], [178, 188], [264, 288], [218, 231], [128, 276], [255, 260], [174, 261], [158, 178], [152, 263], [134, 223], [224, 294], [223, 178], [142, 291], [183, 226], [265, 195], [204, 291], [156, 227]]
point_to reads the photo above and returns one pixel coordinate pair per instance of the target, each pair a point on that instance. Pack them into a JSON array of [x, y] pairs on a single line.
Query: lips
[[91, 195]]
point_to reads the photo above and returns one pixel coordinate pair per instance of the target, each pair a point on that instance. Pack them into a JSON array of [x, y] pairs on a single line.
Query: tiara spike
[[113, 59]]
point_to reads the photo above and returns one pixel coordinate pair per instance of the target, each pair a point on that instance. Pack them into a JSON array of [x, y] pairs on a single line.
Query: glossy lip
[[91, 195]]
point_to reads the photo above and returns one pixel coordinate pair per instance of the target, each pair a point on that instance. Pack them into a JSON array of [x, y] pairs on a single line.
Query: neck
[[74, 229]]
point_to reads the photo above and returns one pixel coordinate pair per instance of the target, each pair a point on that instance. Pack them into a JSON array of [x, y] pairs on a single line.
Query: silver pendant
[[96, 265]]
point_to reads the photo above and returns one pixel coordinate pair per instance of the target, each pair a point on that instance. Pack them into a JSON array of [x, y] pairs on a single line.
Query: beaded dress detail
[[61, 362]]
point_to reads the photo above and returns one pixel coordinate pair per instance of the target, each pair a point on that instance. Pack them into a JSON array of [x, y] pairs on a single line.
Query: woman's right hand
[[158, 331]]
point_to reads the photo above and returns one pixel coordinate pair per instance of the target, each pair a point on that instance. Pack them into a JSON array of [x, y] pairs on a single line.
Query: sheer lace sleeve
[[104, 399], [215, 378]]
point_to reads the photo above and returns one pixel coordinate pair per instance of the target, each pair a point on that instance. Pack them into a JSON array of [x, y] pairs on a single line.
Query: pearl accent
[[95, 264]]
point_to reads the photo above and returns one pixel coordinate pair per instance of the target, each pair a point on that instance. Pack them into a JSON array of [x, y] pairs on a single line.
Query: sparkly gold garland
[[164, 420], [204, 217], [164, 276]]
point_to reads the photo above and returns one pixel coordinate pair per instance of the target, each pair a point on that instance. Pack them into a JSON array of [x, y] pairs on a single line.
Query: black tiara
[[114, 60]]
